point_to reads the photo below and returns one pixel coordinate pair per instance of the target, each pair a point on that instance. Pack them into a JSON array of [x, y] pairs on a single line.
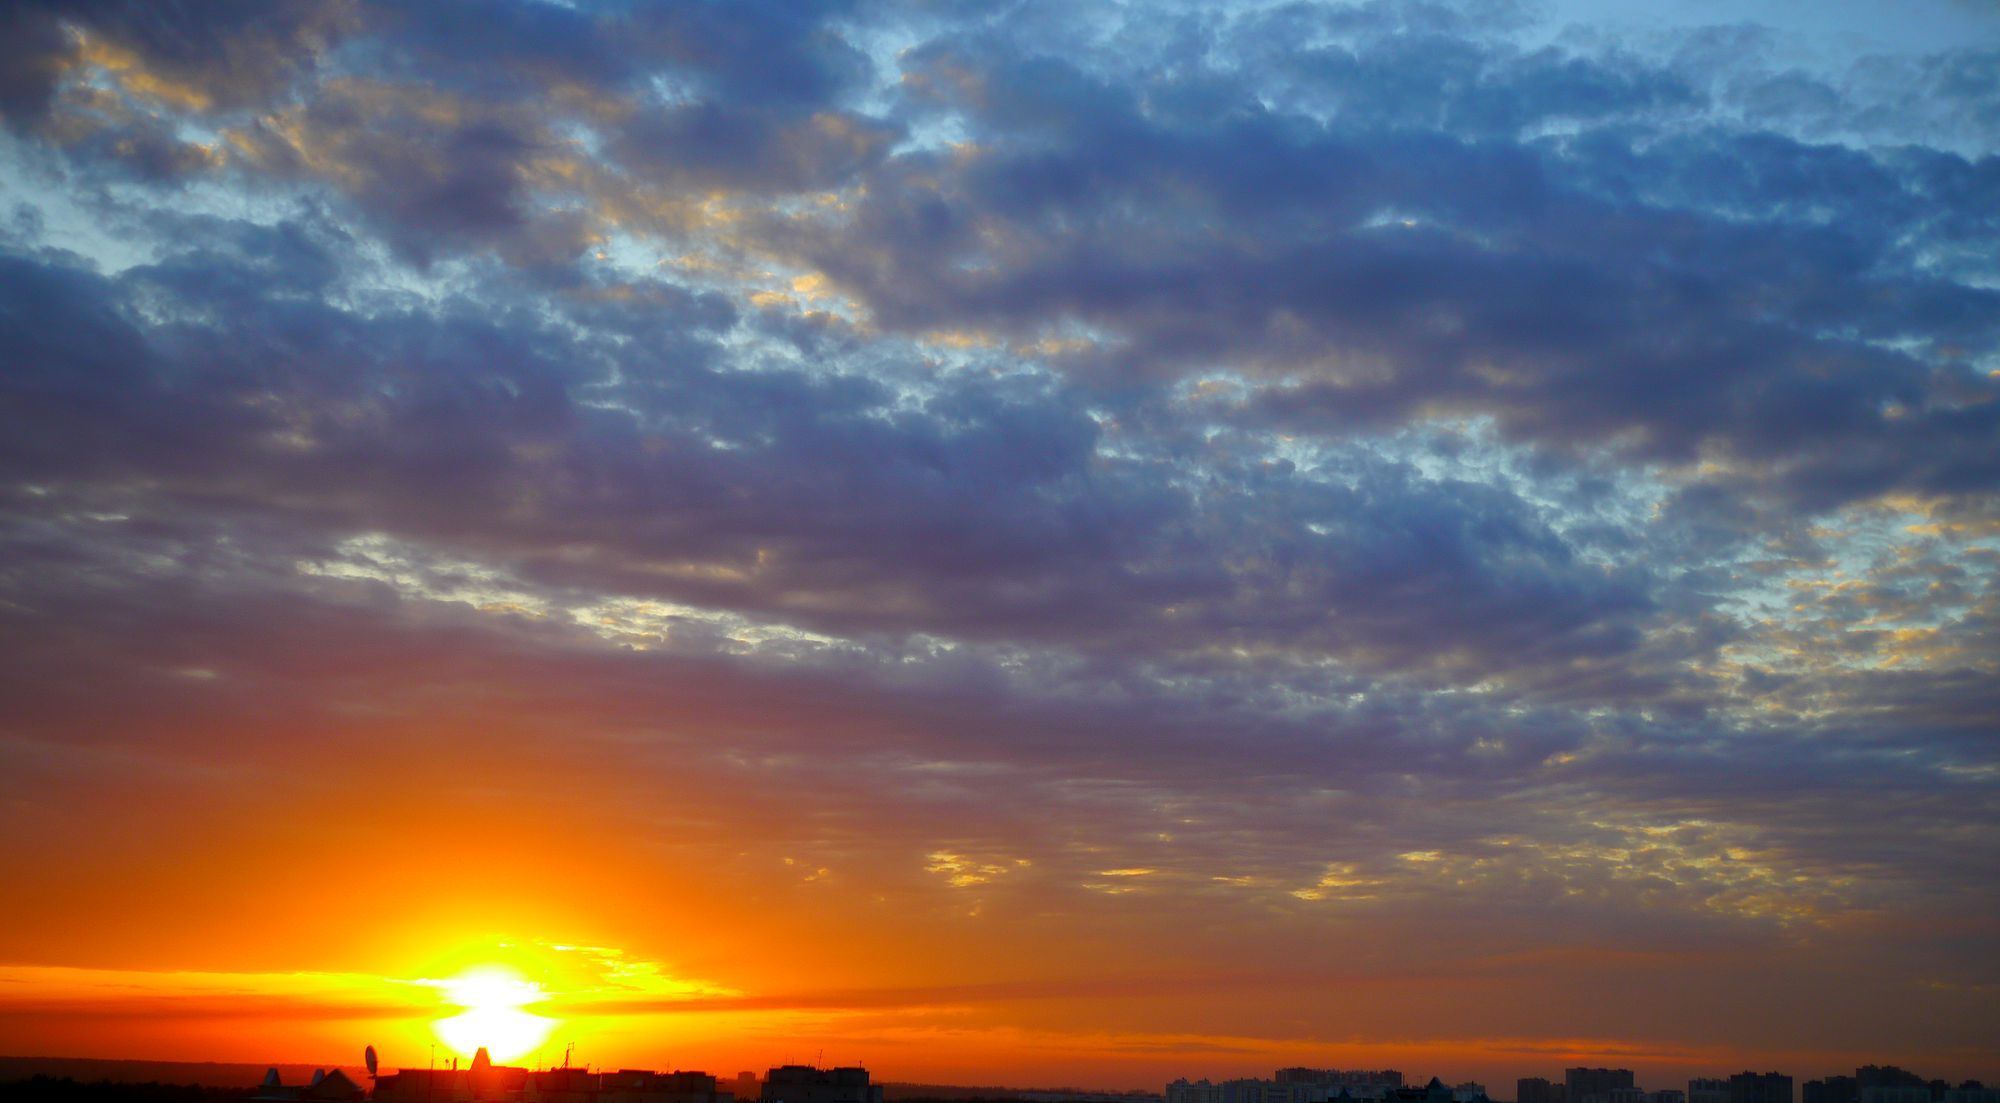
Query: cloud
[[1238, 487]]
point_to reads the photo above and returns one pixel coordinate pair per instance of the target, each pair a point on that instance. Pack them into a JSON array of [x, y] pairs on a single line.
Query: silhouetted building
[[1594, 1085], [641, 1086], [1897, 1093], [1702, 1090], [563, 1085], [1358, 1083], [1293, 1085], [1251, 1090], [1535, 1089], [326, 1087], [1760, 1087], [806, 1084], [1889, 1084], [1198, 1091], [483, 1082], [1972, 1091], [1433, 1092], [486, 1082], [1833, 1089], [1300, 1085], [1667, 1095], [1886, 1076]]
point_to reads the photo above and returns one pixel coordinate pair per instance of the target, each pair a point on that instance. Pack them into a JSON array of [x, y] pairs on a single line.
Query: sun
[[493, 997]]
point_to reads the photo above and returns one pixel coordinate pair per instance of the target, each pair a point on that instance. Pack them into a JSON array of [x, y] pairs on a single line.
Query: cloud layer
[[1405, 495]]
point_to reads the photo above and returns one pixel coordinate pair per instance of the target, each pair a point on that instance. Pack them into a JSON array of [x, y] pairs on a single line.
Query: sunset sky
[[1017, 543]]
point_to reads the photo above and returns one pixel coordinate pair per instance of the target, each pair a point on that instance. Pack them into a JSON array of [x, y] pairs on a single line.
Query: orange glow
[[493, 997]]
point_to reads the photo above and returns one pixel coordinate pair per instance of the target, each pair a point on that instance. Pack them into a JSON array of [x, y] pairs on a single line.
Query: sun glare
[[493, 997]]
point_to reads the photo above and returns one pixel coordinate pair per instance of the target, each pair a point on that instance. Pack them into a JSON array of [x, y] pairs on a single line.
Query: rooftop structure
[[326, 1087], [806, 1084], [486, 1082]]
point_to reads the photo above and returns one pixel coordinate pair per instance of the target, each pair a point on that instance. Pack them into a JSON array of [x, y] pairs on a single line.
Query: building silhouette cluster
[[1304, 1085], [1869, 1084], [1889, 1084], [806, 1084], [485, 1082]]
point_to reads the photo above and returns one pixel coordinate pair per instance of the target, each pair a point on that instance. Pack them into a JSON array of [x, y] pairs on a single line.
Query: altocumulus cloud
[[1384, 488]]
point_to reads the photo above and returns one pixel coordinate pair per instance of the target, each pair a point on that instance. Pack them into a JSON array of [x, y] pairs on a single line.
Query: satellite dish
[[368, 1056]]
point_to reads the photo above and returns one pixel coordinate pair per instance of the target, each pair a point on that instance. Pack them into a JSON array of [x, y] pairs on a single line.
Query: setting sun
[[594, 551], [493, 997]]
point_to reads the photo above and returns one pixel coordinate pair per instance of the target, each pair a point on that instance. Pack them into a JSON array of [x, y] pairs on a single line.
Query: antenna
[[368, 1058]]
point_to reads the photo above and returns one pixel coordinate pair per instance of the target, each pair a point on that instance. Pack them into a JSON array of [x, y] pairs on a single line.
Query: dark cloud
[[1319, 468], [706, 145], [767, 52], [435, 172], [1379, 273], [976, 513], [227, 55], [35, 55]]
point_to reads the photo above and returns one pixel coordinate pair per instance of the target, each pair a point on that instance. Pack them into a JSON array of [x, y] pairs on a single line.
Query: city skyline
[[1028, 543], [484, 1079]]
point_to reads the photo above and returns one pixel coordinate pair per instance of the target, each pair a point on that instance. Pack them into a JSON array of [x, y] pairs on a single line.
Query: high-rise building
[[1889, 1084], [1886, 1076], [1200, 1091], [1706, 1090], [1833, 1089], [1327, 1084], [1760, 1087], [646, 1086], [1594, 1085], [806, 1084], [1534, 1089], [1897, 1093]]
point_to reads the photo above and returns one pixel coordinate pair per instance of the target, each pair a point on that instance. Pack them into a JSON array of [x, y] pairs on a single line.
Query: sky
[[1022, 543]]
